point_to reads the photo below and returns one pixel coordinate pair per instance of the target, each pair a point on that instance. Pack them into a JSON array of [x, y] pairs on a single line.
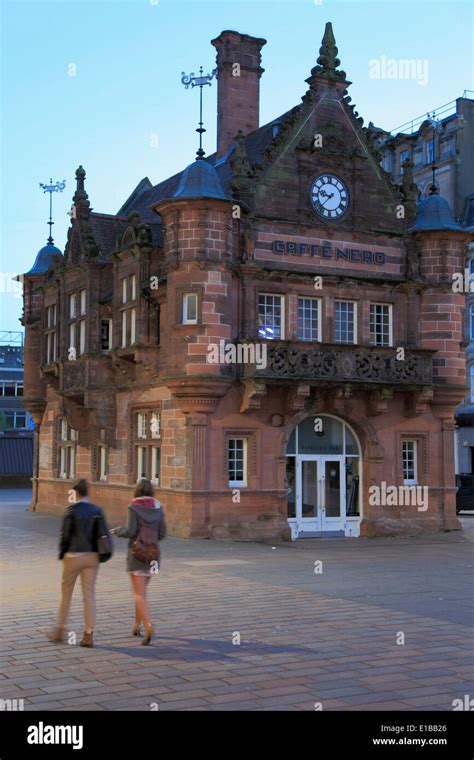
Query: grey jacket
[[147, 510]]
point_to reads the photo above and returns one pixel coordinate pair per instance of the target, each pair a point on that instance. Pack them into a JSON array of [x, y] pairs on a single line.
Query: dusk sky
[[98, 83]]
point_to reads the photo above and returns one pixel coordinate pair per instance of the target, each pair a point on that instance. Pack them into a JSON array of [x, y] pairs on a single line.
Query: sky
[[98, 83]]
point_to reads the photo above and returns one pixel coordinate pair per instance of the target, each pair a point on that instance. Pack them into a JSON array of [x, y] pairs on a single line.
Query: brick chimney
[[238, 86]]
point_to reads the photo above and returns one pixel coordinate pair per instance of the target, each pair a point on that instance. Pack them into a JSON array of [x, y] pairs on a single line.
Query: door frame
[[320, 524]]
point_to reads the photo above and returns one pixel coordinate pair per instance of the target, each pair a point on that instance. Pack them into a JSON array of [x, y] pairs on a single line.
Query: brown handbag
[[146, 548]]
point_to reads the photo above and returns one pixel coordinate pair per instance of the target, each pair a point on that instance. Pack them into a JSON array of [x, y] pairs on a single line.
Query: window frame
[[318, 339], [389, 306], [282, 299], [237, 483], [410, 481], [185, 300], [354, 304]]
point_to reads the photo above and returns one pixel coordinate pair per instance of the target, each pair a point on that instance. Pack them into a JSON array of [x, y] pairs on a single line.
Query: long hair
[[144, 487]]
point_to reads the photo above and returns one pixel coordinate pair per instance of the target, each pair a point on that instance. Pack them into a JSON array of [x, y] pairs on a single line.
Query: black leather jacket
[[78, 531]]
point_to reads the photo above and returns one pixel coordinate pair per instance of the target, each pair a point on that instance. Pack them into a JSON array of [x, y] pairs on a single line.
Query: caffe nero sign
[[327, 251]]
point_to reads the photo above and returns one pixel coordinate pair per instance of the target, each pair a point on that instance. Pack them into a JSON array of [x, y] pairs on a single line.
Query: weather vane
[[199, 81], [58, 187]]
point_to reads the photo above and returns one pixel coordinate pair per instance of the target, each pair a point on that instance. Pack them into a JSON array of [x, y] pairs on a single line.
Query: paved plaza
[[331, 624]]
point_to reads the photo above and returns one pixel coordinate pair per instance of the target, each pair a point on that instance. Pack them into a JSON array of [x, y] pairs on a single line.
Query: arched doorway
[[323, 472]]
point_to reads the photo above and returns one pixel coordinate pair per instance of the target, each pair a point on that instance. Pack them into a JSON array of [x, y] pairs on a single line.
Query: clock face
[[329, 196]]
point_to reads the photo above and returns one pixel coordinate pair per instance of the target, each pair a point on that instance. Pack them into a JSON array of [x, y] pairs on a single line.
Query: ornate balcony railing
[[345, 364]]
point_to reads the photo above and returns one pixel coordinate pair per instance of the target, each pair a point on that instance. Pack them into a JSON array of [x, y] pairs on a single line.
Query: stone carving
[[73, 376], [354, 365]]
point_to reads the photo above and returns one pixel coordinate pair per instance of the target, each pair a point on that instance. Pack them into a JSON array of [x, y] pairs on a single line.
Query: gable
[[325, 140]]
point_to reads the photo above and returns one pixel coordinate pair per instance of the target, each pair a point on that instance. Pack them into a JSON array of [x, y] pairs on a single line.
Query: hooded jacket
[[143, 509]]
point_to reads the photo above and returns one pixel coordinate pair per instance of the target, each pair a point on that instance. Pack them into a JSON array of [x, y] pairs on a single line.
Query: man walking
[[78, 551]]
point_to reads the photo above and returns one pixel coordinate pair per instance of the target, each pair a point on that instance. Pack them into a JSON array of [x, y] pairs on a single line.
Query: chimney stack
[[238, 85]]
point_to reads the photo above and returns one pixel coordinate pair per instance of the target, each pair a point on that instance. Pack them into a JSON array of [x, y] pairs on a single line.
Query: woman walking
[[146, 527], [82, 525]]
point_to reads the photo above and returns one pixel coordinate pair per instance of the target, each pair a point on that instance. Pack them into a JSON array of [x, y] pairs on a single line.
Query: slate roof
[[256, 143], [106, 227], [434, 214], [44, 259]]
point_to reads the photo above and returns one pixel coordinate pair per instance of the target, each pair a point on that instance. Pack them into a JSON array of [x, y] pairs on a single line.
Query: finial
[[80, 197], [328, 62], [58, 187], [200, 82]]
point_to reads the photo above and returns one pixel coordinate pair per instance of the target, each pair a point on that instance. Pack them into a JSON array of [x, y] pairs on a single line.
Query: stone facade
[[230, 252]]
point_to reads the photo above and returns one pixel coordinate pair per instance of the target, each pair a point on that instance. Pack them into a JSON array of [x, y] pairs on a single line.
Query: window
[[82, 336], [72, 306], [190, 303], [141, 426], [471, 322], [156, 465], [271, 316], [129, 312], [105, 334], [404, 156], [237, 461], [8, 389], [19, 389], [15, 420], [124, 329], [409, 463], [309, 319], [67, 450], [76, 329], [146, 436], [471, 378], [103, 462], [141, 462], [72, 337], [344, 322], [155, 425], [50, 335], [380, 324]]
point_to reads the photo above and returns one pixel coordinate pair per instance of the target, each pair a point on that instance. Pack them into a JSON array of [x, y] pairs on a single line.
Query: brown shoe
[[86, 640], [56, 635]]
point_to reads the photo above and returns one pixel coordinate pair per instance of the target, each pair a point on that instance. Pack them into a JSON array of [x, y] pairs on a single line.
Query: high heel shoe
[[137, 629], [149, 633]]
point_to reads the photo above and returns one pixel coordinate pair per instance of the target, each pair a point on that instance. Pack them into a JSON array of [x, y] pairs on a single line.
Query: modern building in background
[[16, 436], [443, 141], [264, 334]]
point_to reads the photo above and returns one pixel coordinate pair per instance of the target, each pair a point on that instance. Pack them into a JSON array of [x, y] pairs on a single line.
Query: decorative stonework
[[354, 365]]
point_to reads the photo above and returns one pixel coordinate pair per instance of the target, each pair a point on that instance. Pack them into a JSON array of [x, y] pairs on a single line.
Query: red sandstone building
[[291, 248]]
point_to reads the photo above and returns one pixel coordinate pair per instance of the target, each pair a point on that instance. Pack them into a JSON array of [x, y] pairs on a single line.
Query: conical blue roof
[[200, 180], [434, 214], [44, 259]]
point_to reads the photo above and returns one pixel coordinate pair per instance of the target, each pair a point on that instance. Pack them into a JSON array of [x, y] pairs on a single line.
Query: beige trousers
[[85, 565]]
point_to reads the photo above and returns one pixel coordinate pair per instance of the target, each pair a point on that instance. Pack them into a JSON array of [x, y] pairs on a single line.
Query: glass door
[[308, 511], [333, 507]]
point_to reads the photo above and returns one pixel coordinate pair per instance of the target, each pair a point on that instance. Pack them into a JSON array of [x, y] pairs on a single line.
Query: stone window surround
[[252, 438], [148, 442], [422, 464], [180, 292]]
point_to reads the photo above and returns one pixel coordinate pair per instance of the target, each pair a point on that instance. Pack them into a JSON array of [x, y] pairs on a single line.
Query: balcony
[[347, 364]]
